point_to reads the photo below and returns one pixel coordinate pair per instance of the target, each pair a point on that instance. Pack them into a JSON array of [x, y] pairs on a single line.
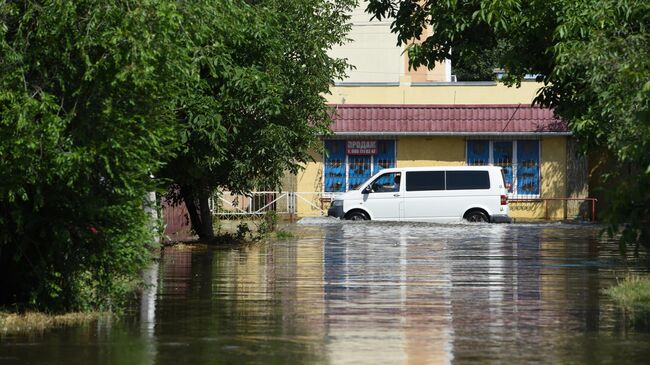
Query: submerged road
[[369, 293]]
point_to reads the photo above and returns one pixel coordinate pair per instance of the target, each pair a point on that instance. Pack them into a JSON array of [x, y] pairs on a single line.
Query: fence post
[[291, 205], [593, 210]]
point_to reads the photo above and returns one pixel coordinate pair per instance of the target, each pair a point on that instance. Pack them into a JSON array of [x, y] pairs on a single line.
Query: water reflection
[[252, 304], [387, 301], [371, 293], [148, 311]]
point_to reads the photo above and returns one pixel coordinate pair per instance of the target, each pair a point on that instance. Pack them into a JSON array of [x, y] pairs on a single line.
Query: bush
[[633, 293], [269, 223], [84, 121], [283, 235]]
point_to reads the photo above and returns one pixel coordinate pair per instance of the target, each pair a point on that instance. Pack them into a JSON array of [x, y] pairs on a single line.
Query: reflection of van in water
[[475, 193]]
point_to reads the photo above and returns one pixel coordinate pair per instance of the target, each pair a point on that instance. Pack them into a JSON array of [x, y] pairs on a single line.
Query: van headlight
[[337, 203]]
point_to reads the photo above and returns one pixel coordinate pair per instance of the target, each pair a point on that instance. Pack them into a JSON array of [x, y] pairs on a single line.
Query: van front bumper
[[500, 219], [335, 212]]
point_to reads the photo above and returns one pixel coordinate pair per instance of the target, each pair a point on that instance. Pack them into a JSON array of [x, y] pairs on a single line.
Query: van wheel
[[477, 216], [356, 216]]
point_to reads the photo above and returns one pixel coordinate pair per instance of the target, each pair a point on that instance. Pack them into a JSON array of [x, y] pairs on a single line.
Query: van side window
[[425, 180], [386, 183], [468, 180]]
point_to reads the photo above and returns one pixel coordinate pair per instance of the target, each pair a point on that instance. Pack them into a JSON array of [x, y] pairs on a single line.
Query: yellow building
[[530, 143], [388, 115]]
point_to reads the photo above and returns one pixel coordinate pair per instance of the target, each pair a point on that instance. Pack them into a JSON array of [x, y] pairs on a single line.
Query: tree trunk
[[206, 214], [196, 201]]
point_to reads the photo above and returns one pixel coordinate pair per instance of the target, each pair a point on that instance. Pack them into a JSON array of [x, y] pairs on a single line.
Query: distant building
[[386, 115]]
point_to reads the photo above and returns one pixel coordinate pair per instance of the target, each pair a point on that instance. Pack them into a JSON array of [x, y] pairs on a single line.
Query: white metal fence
[[306, 204], [282, 202]]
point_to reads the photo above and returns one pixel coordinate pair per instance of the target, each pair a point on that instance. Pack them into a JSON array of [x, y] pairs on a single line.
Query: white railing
[[312, 204], [282, 202]]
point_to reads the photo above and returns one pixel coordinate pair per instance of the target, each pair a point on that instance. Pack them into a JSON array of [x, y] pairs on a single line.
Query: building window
[[519, 159], [349, 163]]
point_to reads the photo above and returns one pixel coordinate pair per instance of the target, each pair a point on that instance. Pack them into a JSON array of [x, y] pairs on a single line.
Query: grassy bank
[[633, 293], [239, 231], [30, 322]]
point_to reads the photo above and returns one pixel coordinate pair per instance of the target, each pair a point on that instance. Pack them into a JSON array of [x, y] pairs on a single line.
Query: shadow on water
[[374, 293]]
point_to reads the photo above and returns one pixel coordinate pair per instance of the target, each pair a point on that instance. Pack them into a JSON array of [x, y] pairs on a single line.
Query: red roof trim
[[432, 106], [446, 119]]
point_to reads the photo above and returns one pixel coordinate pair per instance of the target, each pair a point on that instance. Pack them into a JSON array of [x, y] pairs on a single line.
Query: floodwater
[[369, 293]]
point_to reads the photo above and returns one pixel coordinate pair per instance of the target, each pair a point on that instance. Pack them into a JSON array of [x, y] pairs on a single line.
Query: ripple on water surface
[[371, 293]]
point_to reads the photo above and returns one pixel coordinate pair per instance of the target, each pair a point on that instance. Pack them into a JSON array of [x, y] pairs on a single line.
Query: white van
[[436, 194]]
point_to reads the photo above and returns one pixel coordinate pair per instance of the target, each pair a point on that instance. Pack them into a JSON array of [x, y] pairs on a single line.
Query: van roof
[[440, 168]]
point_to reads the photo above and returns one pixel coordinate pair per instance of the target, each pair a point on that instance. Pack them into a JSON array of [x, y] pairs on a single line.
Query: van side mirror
[[367, 190]]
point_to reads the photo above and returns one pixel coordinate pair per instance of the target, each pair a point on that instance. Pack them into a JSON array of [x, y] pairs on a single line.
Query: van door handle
[[395, 194]]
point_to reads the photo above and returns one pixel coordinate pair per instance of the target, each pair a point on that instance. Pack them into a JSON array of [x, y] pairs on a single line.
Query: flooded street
[[369, 293]]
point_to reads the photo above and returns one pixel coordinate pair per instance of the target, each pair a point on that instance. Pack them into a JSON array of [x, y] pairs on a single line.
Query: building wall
[[447, 94], [554, 174], [309, 184], [577, 181], [433, 151], [441, 72], [371, 50], [600, 163]]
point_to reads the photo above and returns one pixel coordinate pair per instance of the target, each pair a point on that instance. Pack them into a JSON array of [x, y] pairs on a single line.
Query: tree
[[593, 57], [257, 108], [86, 115], [96, 97], [476, 67]]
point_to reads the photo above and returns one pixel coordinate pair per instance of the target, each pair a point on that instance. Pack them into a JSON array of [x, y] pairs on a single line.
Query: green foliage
[[269, 223], [98, 96], [264, 226], [633, 293], [601, 85], [519, 32], [242, 232], [256, 108], [593, 57], [283, 235], [37, 322], [477, 67], [85, 117]]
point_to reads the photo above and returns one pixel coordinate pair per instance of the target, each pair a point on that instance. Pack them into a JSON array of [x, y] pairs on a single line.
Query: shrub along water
[[84, 121], [97, 96], [38, 322], [633, 293]]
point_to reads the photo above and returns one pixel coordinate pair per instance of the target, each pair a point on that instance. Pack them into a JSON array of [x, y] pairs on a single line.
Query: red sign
[[361, 147]]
